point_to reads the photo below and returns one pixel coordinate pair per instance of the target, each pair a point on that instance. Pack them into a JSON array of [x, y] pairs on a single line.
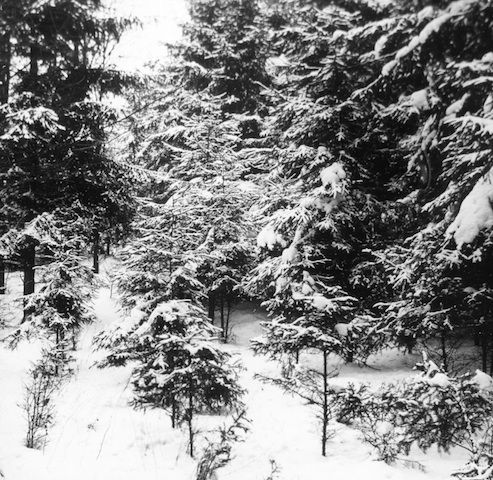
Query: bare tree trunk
[[95, 252], [443, 346], [221, 306], [191, 433], [2, 277], [5, 60], [484, 350], [229, 307], [28, 261], [212, 307], [325, 407]]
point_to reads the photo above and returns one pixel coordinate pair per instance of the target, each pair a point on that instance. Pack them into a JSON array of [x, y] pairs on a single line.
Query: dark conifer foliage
[[53, 120]]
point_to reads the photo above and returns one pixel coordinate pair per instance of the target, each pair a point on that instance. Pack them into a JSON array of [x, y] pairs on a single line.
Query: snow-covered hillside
[[98, 436]]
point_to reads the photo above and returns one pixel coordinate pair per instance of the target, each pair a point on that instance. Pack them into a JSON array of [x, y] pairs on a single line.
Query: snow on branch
[[475, 213]]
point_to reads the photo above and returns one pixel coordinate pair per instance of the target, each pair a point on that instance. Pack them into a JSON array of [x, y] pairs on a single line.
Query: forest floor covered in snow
[[97, 435]]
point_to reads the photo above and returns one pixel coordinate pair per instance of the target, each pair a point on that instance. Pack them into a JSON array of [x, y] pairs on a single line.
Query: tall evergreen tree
[[52, 150]]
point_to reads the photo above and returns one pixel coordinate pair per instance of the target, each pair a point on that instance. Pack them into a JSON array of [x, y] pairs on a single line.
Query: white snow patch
[[459, 7], [379, 44], [439, 380], [333, 176], [456, 106], [268, 237], [404, 51], [246, 186], [342, 329], [425, 13], [433, 26], [475, 213], [321, 303], [488, 104], [487, 57], [384, 428], [419, 99], [388, 67], [483, 380], [280, 61]]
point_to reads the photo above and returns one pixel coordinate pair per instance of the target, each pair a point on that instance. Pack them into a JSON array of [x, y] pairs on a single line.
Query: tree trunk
[[2, 277], [484, 351], [221, 306], [28, 261], [443, 346], [95, 252], [174, 412], [350, 350], [33, 64], [191, 433], [325, 406], [108, 245], [212, 307], [491, 361], [5, 60], [229, 307]]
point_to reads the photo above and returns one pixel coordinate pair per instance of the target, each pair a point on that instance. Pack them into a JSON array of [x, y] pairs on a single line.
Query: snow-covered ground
[[98, 436]]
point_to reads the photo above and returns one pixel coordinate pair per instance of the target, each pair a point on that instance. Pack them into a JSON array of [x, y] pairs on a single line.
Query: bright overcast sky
[[161, 24]]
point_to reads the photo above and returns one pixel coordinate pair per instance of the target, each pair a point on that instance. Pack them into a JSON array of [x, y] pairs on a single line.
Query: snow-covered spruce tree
[[322, 133], [399, 129], [61, 306], [53, 120], [196, 203], [435, 107], [302, 273], [432, 409], [179, 366], [225, 53]]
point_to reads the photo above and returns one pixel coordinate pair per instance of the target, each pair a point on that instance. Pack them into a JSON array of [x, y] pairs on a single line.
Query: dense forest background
[[330, 160]]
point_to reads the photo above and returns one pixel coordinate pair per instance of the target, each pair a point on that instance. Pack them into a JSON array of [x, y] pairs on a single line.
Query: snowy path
[[98, 436]]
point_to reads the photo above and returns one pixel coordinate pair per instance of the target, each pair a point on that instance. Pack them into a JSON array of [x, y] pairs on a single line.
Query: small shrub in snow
[[431, 409], [313, 387], [46, 378], [480, 464], [217, 453], [275, 470]]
